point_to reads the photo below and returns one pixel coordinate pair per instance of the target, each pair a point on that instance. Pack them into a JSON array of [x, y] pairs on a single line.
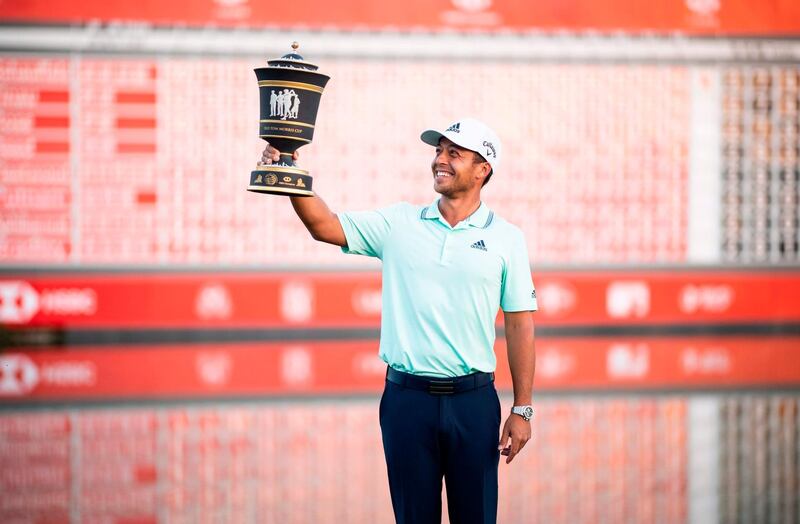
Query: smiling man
[[447, 268]]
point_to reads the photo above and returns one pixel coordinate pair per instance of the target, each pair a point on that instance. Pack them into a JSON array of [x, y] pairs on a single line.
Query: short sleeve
[[366, 231], [518, 293]]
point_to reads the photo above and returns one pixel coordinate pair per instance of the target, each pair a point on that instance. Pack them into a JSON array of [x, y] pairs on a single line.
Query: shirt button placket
[[444, 259]]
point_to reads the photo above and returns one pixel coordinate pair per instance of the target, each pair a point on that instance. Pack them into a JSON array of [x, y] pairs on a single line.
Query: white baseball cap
[[471, 134]]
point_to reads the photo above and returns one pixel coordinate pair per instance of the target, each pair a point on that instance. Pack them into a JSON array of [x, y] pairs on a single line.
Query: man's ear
[[485, 169]]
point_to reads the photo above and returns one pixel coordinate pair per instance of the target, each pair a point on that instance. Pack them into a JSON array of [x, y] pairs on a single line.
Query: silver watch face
[[525, 412]]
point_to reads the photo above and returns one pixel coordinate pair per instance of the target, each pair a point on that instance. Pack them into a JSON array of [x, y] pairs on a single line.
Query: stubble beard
[[452, 190]]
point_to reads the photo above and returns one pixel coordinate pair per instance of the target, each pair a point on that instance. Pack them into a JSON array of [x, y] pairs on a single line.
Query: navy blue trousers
[[428, 437]]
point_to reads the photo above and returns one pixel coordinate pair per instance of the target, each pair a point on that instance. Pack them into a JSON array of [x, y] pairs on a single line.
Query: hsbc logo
[[19, 302], [18, 375]]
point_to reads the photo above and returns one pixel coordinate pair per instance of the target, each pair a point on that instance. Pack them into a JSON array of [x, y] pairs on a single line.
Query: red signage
[[768, 17], [353, 299], [314, 368]]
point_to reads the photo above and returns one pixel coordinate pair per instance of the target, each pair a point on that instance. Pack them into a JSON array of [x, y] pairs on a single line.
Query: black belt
[[436, 385]]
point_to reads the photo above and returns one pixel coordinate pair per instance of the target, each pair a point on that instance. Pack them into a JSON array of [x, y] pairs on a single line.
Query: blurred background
[[176, 349]]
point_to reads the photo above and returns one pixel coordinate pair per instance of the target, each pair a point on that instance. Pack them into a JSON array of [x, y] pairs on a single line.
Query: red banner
[[353, 367], [768, 17], [281, 300]]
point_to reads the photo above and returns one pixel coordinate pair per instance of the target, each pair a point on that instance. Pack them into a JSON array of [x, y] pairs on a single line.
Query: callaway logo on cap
[[471, 134]]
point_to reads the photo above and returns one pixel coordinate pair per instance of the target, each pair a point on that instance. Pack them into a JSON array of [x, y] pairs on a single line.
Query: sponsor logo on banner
[[20, 302], [553, 363], [471, 12], [214, 368], [556, 298], [297, 301], [69, 301], [69, 373], [706, 298], [472, 6], [703, 7], [706, 361], [628, 361], [18, 374], [628, 299], [213, 302], [232, 9], [367, 302], [368, 364], [296, 366]]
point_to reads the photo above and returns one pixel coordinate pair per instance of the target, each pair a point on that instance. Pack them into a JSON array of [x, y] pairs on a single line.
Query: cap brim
[[431, 137]]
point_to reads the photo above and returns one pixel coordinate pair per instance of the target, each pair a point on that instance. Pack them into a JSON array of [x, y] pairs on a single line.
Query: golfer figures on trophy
[[290, 90]]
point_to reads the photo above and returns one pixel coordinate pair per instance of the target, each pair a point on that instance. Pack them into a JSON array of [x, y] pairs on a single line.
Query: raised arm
[[323, 224]]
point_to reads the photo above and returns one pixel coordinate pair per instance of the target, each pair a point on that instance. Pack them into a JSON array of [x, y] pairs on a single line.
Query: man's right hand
[[271, 155], [318, 219]]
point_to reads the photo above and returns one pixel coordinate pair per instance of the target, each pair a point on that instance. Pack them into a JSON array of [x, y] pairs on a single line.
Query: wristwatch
[[525, 412]]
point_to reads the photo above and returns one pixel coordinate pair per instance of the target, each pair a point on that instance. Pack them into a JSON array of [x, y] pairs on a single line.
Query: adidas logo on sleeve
[[479, 245]]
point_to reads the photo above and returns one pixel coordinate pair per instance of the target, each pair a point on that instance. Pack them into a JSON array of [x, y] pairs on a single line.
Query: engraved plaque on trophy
[[290, 90]]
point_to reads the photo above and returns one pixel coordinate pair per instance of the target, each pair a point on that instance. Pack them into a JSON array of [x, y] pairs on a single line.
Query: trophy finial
[[292, 59]]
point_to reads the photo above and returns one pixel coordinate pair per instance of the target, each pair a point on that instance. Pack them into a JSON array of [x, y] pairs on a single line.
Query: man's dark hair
[[478, 159]]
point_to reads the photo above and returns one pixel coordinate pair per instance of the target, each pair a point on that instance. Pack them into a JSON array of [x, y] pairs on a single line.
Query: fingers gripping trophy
[[290, 90]]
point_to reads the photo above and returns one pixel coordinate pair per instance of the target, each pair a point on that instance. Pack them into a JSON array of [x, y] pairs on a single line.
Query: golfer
[[448, 267]]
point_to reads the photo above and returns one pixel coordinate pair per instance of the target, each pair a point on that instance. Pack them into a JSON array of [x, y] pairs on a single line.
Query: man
[[447, 268]]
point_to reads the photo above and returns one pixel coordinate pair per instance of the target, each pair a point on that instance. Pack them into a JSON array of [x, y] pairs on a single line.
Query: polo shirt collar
[[481, 217]]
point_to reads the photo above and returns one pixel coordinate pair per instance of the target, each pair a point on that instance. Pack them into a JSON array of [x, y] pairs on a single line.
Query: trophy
[[290, 90]]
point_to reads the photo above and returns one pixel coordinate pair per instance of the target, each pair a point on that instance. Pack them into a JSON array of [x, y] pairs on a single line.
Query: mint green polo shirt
[[442, 285]]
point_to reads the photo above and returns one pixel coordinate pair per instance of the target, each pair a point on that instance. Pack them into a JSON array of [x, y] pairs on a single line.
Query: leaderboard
[[35, 155], [132, 161]]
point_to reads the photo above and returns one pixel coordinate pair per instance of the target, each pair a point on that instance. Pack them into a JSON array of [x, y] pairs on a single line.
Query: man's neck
[[458, 209]]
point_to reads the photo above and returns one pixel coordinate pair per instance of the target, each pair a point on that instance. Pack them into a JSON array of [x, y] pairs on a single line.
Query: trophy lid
[[292, 60]]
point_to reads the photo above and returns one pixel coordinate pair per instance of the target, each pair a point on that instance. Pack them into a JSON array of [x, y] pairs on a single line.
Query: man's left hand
[[518, 430]]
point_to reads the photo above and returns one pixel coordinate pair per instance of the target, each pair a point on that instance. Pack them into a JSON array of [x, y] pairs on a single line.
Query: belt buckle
[[441, 387]]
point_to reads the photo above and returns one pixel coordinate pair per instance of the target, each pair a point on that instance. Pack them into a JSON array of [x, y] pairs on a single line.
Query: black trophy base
[[280, 180]]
